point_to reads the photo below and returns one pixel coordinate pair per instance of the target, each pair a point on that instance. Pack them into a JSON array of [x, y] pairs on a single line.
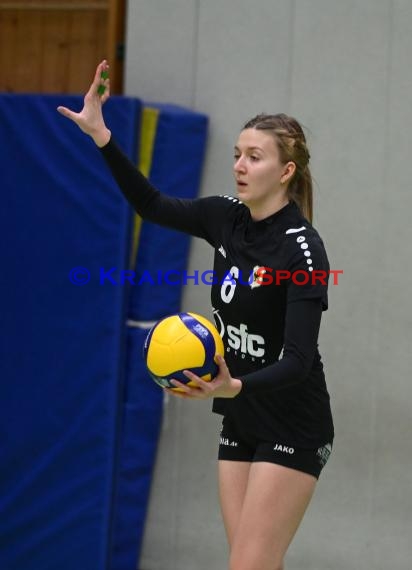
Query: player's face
[[258, 170]]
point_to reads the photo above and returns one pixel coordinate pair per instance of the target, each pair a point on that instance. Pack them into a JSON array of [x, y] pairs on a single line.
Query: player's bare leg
[[274, 504], [233, 480]]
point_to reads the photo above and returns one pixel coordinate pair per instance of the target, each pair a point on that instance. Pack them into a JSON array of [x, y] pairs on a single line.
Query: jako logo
[[284, 448]]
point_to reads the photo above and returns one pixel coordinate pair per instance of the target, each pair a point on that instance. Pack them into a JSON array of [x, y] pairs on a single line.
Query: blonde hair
[[291, 142]]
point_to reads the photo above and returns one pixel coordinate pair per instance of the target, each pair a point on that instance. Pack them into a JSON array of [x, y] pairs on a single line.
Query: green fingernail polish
[[102, 88]]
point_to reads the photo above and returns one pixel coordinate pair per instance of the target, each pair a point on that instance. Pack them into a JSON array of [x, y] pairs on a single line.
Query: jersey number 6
[[229, 284]]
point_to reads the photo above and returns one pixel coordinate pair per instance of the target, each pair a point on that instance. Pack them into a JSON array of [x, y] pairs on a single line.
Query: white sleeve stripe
[[295, 230]]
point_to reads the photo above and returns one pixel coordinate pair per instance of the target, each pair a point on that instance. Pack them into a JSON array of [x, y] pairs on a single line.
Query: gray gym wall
[[343, 68]]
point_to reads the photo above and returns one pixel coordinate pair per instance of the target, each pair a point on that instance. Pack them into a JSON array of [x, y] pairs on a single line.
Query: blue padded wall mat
[[176, 166], [141, 423], [62, 347]]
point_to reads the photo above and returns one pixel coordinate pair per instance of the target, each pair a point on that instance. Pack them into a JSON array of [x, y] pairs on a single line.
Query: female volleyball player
[[277, 428]]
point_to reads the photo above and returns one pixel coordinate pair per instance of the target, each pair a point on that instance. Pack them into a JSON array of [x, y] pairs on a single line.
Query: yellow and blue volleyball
[[185, 341]]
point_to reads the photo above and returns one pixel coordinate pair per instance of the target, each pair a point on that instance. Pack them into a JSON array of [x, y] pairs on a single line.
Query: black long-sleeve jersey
[[269, 289]]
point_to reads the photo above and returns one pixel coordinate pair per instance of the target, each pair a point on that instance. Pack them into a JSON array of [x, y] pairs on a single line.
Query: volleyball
[[184, 341]]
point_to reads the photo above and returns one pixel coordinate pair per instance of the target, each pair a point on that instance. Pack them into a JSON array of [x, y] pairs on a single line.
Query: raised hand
[[90, 119]]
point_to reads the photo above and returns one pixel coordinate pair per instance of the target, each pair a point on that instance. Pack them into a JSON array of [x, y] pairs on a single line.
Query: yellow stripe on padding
[[150, 117]]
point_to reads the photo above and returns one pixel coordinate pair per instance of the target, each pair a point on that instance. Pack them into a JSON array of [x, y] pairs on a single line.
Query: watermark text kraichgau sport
[[260, 276]]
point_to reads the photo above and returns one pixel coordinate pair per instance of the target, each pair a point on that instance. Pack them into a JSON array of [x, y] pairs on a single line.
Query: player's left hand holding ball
[[90, 118], [222, 386]]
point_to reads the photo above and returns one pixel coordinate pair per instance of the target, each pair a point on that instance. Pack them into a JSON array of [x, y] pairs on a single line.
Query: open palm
[[90, 118]]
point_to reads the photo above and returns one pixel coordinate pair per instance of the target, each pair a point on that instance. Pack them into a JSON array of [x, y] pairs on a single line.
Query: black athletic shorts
[[236, 446]]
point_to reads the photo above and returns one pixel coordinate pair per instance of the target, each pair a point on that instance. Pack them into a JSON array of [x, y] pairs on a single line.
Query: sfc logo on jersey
[[256, 279]]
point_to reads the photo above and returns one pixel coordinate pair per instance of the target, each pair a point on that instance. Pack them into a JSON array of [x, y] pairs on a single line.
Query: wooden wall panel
[[87, 38], [55, 55], [53, 47]]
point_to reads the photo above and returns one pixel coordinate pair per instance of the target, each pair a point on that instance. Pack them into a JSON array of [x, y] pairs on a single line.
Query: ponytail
[[300, 191]]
